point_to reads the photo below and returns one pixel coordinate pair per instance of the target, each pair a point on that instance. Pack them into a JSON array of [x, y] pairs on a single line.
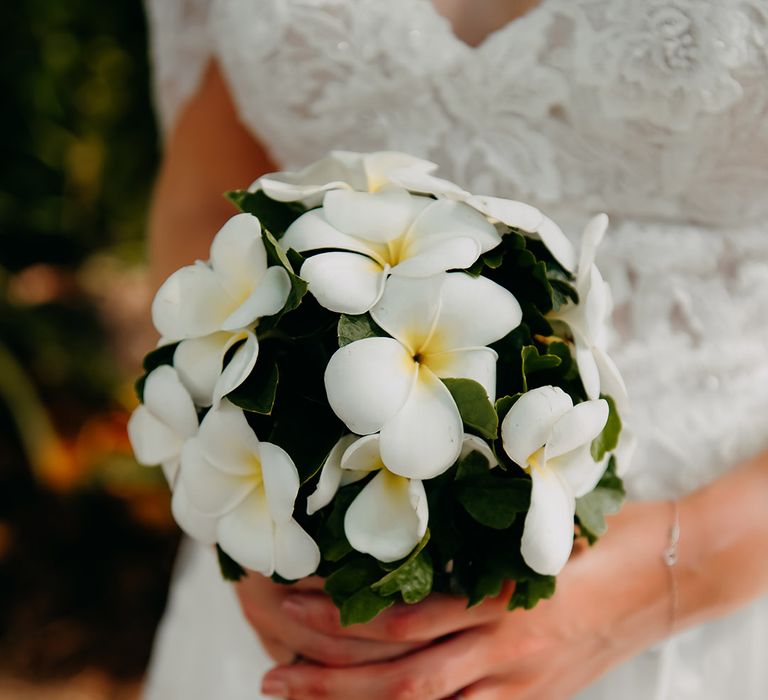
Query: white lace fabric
[[655, 111]]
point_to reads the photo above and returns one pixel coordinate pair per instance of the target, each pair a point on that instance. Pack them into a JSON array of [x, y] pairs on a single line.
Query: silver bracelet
[[670, 557]]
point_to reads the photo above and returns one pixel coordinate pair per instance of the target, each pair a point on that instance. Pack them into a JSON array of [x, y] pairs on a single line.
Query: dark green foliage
[[258, 392], [230, 569], [352, 328], [476, 410], [276, 217], [609, 437], [606, 499]]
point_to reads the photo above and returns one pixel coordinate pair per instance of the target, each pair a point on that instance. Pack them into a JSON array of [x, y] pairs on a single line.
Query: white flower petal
[[330, 476], [578, 426], [475, 311], [611, 382], [192, 302], [382, 520], [408, 309], [379, 166], [588, 370], [625, 450], [443, 220], [509, 212], [472, 363], [153, 442], [228, 442], [472, 443], [557, 243], [296, 553], [363, 455], [527, 425], [194, 523], [424, 438], [346, 283], [265, 300], [548, 532], [210, 491], [311, 231], [198, 362], [238, 368], [340, 169], [590, 240], [375, 216], [170, 469], [247, 534], [577, 469], [368, 381], [167, 398], [238, 255], [281, 481], [419, 180], [447, 254]]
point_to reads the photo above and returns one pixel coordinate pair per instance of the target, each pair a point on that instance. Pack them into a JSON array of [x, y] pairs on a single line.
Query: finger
[[279, 653], [260, 602], [437, 671], [435, 617]]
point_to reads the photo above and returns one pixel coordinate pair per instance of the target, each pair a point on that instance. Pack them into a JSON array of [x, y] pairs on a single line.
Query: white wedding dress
[[655, 111]]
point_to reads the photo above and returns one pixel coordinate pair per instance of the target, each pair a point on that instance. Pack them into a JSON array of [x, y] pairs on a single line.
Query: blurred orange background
[[86, 538]]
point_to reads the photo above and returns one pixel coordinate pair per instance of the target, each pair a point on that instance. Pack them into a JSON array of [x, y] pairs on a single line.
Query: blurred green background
[[86, 540]]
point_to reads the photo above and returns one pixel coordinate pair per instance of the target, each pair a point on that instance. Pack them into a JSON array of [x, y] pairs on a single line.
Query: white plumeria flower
[[550, 438], [510, 212], [440, 326], [377, 234], [249, 487], [588, 321], [159, 427], [210, 307], [365, 172], [388, 518]]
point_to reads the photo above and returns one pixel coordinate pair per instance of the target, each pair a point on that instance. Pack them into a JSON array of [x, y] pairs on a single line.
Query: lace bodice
[[655, 111]]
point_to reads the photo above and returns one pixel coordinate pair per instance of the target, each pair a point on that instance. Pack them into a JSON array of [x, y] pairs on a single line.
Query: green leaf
[[230, 569], [562, 293], [412, 579], [504, 404], [363, 606], [609, 437], [528, 593], [273, 215], [606, 499], [534, 362], [352, 577], [495, 501], [257, 393], [476, 410], [472, 466], [352, 328]]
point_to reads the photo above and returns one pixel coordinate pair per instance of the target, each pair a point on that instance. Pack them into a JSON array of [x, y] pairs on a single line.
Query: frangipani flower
[[550, 438], [250, 488], [588, 321], [440, 326], [210, 307], [159, 427], [377, 234], [510, 212], [389, 516], [365, 172]]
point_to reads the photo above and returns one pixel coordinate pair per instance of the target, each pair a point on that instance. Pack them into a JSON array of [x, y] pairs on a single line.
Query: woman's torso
[[655, 111]]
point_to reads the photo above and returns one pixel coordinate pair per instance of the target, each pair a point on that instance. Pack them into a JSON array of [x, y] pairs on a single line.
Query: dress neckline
[[494, 35]]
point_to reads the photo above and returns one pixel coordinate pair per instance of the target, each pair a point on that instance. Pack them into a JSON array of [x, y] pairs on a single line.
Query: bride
[[655, 111]]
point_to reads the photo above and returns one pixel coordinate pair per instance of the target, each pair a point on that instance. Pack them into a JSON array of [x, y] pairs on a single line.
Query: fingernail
[[274, 687], [295, 608]]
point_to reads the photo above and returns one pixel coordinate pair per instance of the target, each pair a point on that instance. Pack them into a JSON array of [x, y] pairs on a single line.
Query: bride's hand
[[266, 607], [612, 601]]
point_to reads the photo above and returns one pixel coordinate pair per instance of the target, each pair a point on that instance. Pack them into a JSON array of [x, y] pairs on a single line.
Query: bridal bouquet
[[384, 380]]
